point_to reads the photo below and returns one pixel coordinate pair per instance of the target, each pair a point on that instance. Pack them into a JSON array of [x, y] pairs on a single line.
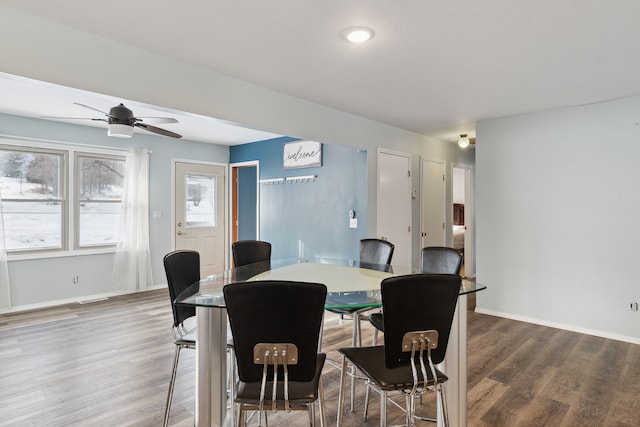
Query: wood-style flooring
[[108, 363]]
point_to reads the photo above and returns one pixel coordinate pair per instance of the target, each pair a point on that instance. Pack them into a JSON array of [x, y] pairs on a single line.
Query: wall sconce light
[[463, 141]]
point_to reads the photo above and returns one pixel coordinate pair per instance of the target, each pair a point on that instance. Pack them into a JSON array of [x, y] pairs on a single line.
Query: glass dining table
[[350, 284]]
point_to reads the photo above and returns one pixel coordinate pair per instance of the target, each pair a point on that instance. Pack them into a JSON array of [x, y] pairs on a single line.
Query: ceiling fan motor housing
[[121, 115]]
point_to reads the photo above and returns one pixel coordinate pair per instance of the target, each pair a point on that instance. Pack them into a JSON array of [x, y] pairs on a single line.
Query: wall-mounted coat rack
[[289, 179]]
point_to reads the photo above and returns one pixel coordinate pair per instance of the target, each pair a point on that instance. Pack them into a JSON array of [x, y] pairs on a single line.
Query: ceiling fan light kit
[[120, 131]]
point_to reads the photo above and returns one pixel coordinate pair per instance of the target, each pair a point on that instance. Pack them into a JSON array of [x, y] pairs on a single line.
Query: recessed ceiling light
[[358, 34]]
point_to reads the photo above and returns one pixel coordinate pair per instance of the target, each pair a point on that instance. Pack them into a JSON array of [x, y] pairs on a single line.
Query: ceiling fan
[[121, 122]]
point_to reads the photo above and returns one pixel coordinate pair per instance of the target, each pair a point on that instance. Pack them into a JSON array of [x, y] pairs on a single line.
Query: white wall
[[557, 208]]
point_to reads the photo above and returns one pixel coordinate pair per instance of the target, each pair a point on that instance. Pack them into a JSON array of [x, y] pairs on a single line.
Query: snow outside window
[[34, 209], [40, 189], [99, 203]]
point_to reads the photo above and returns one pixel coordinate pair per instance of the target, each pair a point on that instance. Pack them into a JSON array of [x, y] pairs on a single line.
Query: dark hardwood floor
[[107, 363]]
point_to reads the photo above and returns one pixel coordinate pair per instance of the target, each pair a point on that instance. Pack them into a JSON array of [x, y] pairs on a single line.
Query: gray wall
[[557, 200], [50, 279]]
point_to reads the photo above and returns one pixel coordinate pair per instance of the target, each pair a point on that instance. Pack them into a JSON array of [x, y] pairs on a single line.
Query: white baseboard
[[86, 299], [572, 328]]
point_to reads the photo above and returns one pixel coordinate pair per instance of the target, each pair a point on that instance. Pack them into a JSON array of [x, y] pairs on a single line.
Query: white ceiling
[[434, 67]]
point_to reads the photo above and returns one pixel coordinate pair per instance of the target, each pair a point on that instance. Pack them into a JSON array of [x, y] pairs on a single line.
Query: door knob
[[180, 232]]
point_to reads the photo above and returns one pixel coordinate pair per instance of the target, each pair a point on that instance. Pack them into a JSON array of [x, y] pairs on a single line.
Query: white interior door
[[394, 203], [433, 206], [200, 213]]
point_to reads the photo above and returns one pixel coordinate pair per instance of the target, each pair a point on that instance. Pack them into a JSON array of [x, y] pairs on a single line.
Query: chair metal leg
[[167, 408], [241, 416], [383, 408], [355, 342], [311, 412], [343, 378], [445, 414], [323, 418], [367, 393]]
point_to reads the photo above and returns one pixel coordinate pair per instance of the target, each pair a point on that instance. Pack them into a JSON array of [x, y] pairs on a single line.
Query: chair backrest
[[275, 311], [182, 268], [375, 252], [250, 252], [441, 260], [417, 302]]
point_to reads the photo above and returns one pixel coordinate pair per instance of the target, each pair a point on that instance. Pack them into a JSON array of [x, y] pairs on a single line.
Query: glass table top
[[350, 284]]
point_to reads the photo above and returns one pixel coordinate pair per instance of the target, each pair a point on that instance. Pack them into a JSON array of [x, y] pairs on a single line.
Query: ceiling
[[433, 67]]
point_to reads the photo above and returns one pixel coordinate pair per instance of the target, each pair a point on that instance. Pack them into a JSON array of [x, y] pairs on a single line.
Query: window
[[42, 211], [33, 205], [99, 203]]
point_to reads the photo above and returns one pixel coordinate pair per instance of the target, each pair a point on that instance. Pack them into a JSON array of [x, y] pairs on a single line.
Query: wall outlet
[[633, 306]]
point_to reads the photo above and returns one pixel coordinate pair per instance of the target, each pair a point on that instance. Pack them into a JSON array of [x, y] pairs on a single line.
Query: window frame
[[69, 182], [62, 196]]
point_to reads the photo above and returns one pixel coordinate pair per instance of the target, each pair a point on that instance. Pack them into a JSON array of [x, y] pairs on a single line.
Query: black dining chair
[[375, 254], [434, 259], [275, 326], [419, 312], [250, 252], [182, 268]]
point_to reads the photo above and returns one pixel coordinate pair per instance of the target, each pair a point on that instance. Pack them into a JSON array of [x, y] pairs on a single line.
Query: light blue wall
[[311, 218], [40, 280]]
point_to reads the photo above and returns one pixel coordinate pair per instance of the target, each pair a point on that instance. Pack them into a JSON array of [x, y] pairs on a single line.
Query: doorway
[[199, 212], [245, 201], [462, 215]]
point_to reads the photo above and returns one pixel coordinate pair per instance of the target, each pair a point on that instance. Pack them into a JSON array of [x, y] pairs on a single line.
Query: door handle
[[180, 232]]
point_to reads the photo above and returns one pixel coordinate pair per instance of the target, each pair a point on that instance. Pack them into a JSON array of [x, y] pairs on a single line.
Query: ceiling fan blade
[[91, 108], [73, 118], [157, 130], [157, 120]]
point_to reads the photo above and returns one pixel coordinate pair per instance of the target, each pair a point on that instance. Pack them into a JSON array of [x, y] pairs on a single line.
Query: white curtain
[[132, 264], [5, 289]]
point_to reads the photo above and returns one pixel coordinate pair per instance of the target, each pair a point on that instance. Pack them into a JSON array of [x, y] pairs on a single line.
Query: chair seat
[[377, 320], [299, 392], [370, 360]]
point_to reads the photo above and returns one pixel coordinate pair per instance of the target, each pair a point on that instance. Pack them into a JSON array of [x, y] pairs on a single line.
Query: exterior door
[[394, 203], [433, 206], [199, 213]]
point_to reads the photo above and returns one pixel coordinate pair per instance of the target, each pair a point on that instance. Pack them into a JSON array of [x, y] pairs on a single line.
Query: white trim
[[572, 328], [86, 299]]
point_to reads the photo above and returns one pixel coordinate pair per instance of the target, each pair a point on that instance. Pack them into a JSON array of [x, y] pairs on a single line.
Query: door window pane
[[200, 204]]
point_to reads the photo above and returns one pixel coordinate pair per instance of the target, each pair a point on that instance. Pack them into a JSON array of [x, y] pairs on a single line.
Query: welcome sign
[[302, 154]]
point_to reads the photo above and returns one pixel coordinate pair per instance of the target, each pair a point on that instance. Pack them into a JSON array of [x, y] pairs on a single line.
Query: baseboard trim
[[572, 328], [85, 299]]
